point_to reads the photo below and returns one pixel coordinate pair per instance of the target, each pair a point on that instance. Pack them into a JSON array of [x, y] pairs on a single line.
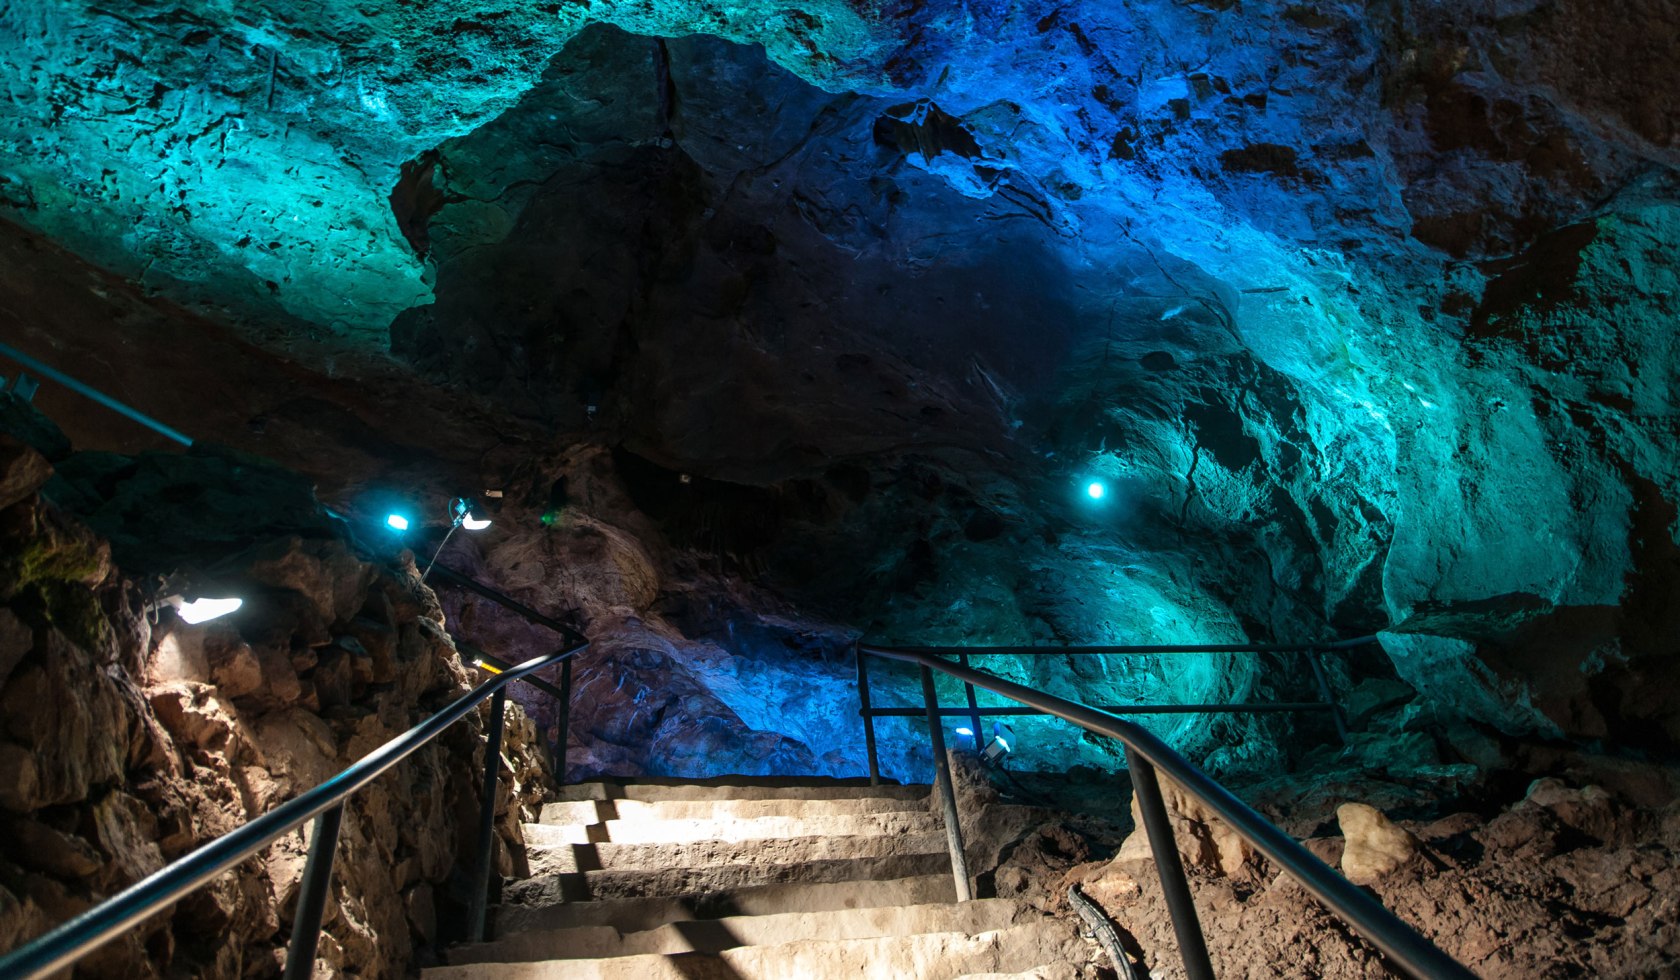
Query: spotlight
[[1096, 490], [203, 610], [965, 739], [462, 509], [397, 522], [966, 731], [1000, 745]]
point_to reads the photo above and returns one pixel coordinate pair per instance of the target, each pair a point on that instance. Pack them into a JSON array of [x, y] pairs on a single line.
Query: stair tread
[[559, 858], [633, 914], [645, 830], [761, 789], [594, 811], [600, 941], [928, 955], [676, 881]]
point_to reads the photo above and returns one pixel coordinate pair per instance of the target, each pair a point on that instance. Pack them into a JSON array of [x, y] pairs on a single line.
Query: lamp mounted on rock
[[460, 516], [461, 509], [1002, 743], [203, 610]]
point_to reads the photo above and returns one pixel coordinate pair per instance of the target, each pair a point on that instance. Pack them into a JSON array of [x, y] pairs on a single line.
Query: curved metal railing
[[974, 711], [1145, 754], [324, 804]]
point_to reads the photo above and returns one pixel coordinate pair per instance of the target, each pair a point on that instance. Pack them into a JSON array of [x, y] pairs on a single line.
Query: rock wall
[[130, 737], [1362, 312]]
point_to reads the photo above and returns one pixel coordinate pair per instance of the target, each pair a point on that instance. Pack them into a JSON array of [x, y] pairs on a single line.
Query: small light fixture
[[397, 522], [1095, 490], [203, 610], [462, 510], [1001, 744]]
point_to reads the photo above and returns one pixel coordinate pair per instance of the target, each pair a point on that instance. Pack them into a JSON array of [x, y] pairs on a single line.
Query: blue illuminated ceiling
[[1358, 314]]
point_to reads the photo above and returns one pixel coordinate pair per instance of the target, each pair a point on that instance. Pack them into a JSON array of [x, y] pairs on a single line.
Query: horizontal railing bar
[[1262, 707], [64, 945], [94, 394], [507, 602], [1399, 941], [1043, 651], [500, 666]]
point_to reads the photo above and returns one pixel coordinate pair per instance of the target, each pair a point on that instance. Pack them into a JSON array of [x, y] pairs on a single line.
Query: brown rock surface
[[125, 743], [1565, 882], [1375, 846]]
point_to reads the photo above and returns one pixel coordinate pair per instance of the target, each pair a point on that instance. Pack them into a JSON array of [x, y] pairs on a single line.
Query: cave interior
[[758, 331]]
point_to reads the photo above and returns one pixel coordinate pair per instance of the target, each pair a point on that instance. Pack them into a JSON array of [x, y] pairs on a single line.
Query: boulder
[[1375, 846], [23, 471], [1205, 843]]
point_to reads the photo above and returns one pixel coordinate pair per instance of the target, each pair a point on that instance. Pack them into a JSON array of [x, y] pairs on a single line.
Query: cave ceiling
[[1364, 310]]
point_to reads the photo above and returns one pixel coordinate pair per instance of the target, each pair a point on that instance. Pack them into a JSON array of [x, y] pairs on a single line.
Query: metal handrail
[[69, 942], [90, 392], [1327, 703], [1044, 651], [563, 694], [1146, 753]]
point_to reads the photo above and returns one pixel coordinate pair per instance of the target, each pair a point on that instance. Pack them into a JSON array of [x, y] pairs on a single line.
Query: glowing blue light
[[397, 522], [966, 731], [1096, 490]]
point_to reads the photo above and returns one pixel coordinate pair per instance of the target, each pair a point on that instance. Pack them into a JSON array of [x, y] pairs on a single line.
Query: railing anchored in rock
[[1146, 756], [324, 805]]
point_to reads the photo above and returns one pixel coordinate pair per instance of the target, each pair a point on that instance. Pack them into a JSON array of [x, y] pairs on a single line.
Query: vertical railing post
[[1192, 947], [947, 792], [312, 895], [973, 705], [565, 722], [479, 910], [1325, 693], [865, 711]]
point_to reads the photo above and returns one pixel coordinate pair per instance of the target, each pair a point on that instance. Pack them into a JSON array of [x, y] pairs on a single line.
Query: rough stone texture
[[1362, 314], [1565, 881], [129, 738], [1205, 843], [1374, 845], [721, 891]]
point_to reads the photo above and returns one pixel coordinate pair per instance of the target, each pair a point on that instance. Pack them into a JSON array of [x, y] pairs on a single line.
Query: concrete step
[[601, 811], [737, 788], [646, 830], [548, 859], [715, 935], [677, 881], [637, 914], [925, 956]]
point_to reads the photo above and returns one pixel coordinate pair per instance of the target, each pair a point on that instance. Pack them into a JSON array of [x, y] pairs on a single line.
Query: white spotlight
[[203, 610]]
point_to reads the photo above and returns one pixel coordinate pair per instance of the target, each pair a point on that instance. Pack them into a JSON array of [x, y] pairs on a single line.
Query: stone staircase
[[756, 878]]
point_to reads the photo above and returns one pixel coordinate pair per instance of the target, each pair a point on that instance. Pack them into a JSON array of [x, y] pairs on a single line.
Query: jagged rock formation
[[1560, 880], [130, 738], [1361, 311]]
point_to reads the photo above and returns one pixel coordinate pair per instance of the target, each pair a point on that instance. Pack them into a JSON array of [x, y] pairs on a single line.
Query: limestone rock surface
[[1375, 846]]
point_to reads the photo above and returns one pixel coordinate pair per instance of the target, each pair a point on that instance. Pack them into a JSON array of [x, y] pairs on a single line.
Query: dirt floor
[[1570, 879]]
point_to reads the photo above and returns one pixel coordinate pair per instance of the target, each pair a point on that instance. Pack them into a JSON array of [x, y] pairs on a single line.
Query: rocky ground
[[1564, 882], [1571, 874], [129, 737]]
